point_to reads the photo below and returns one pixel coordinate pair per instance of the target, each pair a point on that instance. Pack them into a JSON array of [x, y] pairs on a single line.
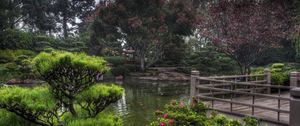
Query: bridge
[[250, 95]]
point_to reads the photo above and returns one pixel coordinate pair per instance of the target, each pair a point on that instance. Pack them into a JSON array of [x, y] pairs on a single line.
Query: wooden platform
[[260, 113]]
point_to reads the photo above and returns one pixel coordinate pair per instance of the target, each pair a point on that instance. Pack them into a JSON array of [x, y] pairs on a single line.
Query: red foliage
[[244, 29]]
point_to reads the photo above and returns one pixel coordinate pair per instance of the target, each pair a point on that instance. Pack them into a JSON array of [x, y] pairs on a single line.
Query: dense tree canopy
[[145, 24], [244, 29]]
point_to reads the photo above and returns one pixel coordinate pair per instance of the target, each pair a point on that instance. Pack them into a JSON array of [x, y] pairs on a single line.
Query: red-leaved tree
[[245, 29]]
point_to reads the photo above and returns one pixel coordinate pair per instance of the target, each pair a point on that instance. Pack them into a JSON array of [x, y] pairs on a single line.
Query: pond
[[142, 99]]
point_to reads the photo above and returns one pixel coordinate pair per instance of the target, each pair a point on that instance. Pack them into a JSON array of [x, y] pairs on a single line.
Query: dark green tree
[[143, 25], [39, 15], [10, 13], [69, 10]]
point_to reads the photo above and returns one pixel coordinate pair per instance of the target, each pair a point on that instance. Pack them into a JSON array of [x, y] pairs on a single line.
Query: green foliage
[[195, 114], [284, 53], [71, 44], [101, 120], [120, 70], [42, 42], [250, 121], [47, 62], [116, 60], [12, 55], [119, 67], [280, 78], [72, 96], [209, 61], [277, 65], [89, 99], [17, 62], [99, 91], [10, 119], [38, 98], [280, 73], [181, 113], [37, 105], [15, 39]]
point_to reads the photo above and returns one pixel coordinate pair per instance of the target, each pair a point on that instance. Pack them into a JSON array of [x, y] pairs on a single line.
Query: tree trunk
[[242, 69], [142, 63], [65, 27], [72, 109], [65, 18]]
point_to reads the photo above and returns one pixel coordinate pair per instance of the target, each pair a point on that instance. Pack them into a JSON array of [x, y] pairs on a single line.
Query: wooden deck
[[260, 113]]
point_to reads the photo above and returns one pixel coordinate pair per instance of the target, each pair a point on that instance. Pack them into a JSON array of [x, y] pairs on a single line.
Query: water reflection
[[141, 99]]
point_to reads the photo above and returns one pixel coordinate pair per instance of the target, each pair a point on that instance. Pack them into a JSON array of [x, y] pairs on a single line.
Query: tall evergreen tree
[[39, 15], [69, 13]]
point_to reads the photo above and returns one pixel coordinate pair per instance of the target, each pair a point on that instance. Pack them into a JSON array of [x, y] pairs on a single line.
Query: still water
[[142, 99]]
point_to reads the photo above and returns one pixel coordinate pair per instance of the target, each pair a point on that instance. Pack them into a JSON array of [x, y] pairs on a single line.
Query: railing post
[[268, 75], [295, 107], [194, 75], [294, 76]]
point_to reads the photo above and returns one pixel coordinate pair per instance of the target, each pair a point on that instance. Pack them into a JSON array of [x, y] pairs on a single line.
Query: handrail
[[246, 93], [238, 85], [243, 83], [244, 104], [236, 76]]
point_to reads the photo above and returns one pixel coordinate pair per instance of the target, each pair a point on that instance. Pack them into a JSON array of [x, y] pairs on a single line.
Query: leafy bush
[[277, 65], [280, 78], [120, 70], [17, 61], [115, 60], [194, 114], [11, 55], [42, 42], [280, 73], [210, 62], [15, 39], [119, 67], [132, 67]]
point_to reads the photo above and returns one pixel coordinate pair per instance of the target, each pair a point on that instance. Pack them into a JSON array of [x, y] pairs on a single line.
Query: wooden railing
[[226, 88]]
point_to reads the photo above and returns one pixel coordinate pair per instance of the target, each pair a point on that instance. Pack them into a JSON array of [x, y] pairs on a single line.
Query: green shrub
[[42, 42], [277, 65], [12, 66], [132, 67], [120, 70], [250, 121], [11, 55], [280, 73], [280, 78], [119, 67], [115, 60], [15, 39]]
